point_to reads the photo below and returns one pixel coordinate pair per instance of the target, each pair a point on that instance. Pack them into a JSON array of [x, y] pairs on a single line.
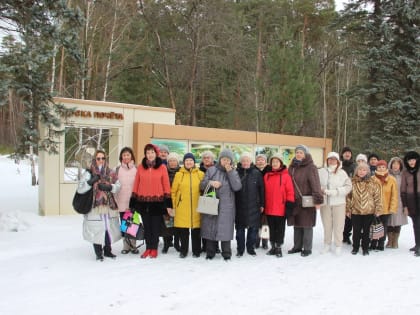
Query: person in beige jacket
[[335, 184], [363, 203], [389, 190]]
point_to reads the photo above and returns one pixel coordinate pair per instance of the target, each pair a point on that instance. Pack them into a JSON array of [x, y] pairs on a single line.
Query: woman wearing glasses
[[101, 225]]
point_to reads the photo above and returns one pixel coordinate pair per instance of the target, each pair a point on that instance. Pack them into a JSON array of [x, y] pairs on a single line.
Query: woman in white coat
[[335, 185], [101, 225]]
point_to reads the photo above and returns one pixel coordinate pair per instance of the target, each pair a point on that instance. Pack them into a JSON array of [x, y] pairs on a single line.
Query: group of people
[[349, 195]]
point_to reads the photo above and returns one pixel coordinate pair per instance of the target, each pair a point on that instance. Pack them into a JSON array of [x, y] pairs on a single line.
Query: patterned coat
[[365, 197]]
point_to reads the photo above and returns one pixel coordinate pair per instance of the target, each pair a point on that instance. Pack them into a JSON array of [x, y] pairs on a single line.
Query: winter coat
[[398, 218], [102, 218], [220, 227], [306, 179], [151, 188], [348, 166], [365, 197], [250, 198], [410, 196], [126, 174], [185, 192], [278, 190], [389, 191], [338, 181]]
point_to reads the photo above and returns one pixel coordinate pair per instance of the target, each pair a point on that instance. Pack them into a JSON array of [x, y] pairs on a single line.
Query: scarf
[[103, 199], [382, 176]]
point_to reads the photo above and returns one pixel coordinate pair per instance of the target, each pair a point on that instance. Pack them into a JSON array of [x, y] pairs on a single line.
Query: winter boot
[[98, 252], [264, 244], [390, 242], [326, 249], [108, 252], [396, 237], [277, 250], [272, 251], [166, 245]]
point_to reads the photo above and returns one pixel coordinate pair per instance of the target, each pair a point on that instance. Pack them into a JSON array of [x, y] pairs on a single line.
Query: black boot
[[108, 252], [98, 252], [277, 250], [264, 244], [166, 245], [272, 250]]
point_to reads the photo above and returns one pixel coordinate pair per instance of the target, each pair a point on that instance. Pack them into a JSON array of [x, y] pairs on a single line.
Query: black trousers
[[416, 229], [277, 227], [347, 228], [184, 237], [361, 226], [152, 224], [211, 247]]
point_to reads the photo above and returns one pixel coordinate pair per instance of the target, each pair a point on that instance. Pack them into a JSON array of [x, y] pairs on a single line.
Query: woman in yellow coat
[[389, 200], [185, 192]]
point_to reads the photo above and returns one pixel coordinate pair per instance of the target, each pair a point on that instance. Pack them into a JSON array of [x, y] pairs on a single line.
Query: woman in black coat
[[249, 205]]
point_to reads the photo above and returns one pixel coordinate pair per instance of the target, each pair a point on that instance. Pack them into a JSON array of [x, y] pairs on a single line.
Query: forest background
[[280, 66]]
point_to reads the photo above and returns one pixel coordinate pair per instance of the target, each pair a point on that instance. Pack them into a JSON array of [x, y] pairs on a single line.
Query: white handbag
[[208, 204]]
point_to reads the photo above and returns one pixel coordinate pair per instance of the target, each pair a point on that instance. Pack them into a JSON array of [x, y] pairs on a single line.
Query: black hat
[[188, 156], [411, 155], [373, 155], [346, 149]]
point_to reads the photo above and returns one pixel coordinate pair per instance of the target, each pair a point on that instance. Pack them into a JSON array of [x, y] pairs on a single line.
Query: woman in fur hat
[[410, 194]]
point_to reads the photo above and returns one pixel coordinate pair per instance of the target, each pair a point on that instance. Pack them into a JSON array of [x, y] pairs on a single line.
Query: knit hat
[[261, 156], [173, 156], [346, 149], [361, 157], [153, 147], [164, 148], [333, 155], [303, 148], [227, 154], [188, 156], [383, 163], [276, 156], [246, 155], [373, 155]]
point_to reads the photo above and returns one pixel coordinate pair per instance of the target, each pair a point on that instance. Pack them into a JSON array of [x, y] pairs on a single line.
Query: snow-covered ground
[[47, 268]]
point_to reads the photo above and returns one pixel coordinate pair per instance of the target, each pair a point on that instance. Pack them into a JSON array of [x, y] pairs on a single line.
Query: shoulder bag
[[307, 200], [208, 203]]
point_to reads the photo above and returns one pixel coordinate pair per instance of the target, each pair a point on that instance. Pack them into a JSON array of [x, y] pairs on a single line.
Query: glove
[[289, 208], [93, 179], [105, 187], [331, 192]]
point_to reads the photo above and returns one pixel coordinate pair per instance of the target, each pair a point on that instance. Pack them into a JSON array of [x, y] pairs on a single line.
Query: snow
[[47, 268]]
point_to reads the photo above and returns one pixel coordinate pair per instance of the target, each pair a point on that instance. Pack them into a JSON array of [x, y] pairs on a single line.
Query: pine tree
[[389, 53], [38, 26]]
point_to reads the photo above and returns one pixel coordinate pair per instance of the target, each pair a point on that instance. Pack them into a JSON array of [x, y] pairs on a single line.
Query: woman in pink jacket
[[126, 173]]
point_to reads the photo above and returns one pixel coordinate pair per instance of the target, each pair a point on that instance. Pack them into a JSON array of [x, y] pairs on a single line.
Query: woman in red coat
[[151, 197], [279, 196]]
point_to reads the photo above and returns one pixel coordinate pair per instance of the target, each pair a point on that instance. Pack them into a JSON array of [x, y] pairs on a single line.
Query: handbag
[[208, 203], [132, 225], [307, 200], [82, 203], [264, 232], [376, 230]]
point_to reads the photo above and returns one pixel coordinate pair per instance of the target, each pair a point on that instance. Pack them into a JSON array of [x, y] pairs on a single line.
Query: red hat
[[383, 163], [150, 146]]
